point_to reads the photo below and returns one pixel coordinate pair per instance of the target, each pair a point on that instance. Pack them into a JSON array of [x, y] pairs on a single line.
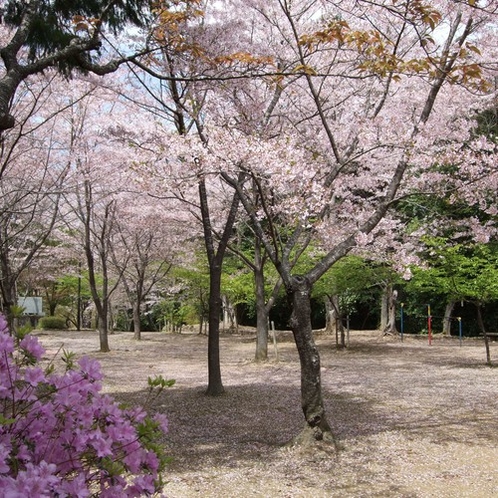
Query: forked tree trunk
[[317, 427], [389, 307], [215, 258], [335, 323], [447, 317]]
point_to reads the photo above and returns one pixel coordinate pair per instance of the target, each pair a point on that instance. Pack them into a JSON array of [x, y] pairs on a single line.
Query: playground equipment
[[429, 324]]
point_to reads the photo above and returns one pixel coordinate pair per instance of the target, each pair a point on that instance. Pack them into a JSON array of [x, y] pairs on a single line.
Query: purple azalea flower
[[91, 368], [162, 420], [32, 345], [33, 376]]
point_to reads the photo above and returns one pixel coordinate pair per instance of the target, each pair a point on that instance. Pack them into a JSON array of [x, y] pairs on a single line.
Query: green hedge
[[52, 322]]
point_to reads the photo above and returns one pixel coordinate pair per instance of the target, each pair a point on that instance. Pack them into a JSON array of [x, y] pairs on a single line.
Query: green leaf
[[160, 381], [6, 421]]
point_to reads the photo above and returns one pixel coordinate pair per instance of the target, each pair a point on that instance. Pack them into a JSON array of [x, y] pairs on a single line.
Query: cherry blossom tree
[[384, 86], [98, 176], [358, 102], [31, 180], [152, 238], [176, 100], [224, 57]]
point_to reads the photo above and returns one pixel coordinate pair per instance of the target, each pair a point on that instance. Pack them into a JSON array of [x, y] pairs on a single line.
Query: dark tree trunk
[[262, 312], [101, 301], [101, 307], [104, 337], [215, 258], [261, 336], [8, 287], [317, 427], [261, 329], [480, 322], [215, 385], [103, 314]]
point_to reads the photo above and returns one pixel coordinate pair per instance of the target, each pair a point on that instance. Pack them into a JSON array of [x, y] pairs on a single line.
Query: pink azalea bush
[[60, 436]]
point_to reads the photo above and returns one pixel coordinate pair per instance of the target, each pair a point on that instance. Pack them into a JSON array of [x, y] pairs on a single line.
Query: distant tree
[[147, 240], [191, 285], [350, 281], [91, 196], [461, 272], [32, 179]]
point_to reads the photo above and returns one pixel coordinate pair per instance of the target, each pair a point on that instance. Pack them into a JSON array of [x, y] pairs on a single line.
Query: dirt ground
[[413, 420]]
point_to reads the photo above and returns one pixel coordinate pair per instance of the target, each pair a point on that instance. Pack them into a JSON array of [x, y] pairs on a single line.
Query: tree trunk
[[229, 316], [137, 333], [384, 309], [101, 307], [8, 287], [215, 258], [104, 337], [389, 301], [480, 322], [262, 316], [447, 317], [262, 323], [215, 385], [334, 315], [101, 301], [317, 427], [330, 321], [263, 307]]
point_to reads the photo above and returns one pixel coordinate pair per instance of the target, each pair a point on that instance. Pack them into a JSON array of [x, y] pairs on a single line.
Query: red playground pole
[[429, 323]]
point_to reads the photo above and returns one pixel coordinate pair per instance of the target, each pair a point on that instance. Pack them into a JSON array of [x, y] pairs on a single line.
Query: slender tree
[[144, 250], [31, 181]]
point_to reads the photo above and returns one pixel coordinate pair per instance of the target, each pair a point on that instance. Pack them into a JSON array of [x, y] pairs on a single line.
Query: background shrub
[[52, 322]]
